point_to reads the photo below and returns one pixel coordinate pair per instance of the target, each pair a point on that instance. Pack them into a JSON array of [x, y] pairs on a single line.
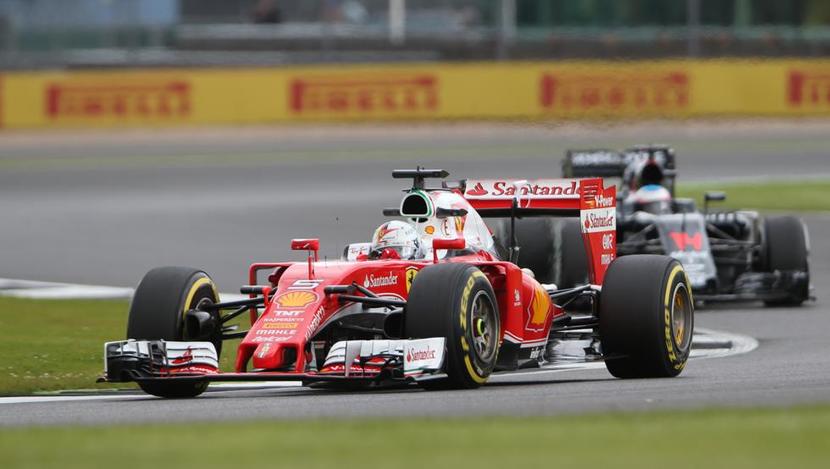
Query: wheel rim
[[681, 317], [201, 297], [484, 329]]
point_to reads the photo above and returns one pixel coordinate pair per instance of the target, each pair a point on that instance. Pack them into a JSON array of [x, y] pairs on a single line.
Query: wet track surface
[[96, 213]]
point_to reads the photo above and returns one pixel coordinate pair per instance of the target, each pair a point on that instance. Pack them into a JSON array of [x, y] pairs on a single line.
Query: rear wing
[[593, 163], [608, 163], [587, 199]]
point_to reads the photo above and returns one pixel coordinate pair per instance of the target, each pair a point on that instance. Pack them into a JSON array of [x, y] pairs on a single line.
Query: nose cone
[[278, 338], [272, 356]]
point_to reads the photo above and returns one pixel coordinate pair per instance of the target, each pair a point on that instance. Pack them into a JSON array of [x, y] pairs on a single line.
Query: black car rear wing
[[609, 163], [593, 163]]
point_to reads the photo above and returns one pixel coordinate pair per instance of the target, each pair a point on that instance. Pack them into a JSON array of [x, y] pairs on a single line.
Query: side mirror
[[442, 212], [712, 196], [453, 243], [311, 244]]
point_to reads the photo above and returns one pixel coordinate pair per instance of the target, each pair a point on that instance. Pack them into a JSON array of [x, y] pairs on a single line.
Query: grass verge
[[55, 344], [714, 438], [49, 345], [768, 196]]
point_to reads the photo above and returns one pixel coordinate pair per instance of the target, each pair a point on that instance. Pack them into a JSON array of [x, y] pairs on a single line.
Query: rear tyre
[[646, 317], [456, 301], [157, 311], [785, 248]]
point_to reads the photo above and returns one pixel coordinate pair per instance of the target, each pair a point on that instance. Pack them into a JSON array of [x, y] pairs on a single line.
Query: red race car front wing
[[369, 361]]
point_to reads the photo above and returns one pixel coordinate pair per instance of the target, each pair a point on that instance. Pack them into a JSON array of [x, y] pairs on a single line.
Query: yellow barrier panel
[[527, 90]]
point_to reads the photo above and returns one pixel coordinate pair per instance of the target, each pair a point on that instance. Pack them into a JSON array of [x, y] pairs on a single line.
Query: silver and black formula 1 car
[[729, 255]]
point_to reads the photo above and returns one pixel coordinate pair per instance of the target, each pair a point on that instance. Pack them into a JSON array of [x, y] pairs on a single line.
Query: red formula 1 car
[[440, 308]]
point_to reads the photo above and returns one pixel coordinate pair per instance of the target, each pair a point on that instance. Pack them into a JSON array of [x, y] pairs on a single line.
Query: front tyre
[[456, 301], [157, 311], [646, 317]]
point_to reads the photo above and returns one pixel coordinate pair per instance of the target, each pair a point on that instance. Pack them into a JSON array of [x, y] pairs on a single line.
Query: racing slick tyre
[[535, 237], [646, 317], [157, 311], [785, 249], [456, 301]]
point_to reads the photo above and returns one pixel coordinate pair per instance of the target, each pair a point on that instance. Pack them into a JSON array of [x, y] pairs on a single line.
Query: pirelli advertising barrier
[[539, 90]]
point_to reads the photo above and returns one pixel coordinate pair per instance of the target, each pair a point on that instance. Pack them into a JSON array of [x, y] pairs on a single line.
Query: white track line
[[131, 397], [36, 290], [739, 343], [258, 384], [94, 397]]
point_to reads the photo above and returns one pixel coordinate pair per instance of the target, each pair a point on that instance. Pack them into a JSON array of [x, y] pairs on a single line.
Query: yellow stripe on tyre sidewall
[[199, 283], [472, 372], [464, 305], [669, 337]]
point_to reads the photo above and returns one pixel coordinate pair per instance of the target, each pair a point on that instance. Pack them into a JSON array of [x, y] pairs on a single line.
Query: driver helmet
[[397, 240], [646, 174], [652, 198]]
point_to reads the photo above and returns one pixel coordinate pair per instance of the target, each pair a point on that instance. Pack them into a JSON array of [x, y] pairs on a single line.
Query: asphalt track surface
[[104, 209]]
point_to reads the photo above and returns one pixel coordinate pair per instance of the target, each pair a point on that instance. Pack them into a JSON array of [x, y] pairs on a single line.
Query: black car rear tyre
[[553, 250], [573, 260], [646, 317], [535, 238], [157, 311], [785, 249], [456, 301]]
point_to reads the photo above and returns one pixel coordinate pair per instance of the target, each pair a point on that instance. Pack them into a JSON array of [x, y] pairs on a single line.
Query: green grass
[[811, 195], [731, 439], [49, 345]]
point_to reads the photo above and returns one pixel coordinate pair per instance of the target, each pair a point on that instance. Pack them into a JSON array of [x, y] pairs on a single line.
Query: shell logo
[[539, 310], [296, 299]]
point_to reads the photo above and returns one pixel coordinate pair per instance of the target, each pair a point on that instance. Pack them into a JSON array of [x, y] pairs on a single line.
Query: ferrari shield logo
[[411, 272], [538, 310]]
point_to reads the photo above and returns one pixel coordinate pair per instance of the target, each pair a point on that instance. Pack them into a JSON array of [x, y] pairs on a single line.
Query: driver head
[[647, 173], [395, 240], [652, 198]]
